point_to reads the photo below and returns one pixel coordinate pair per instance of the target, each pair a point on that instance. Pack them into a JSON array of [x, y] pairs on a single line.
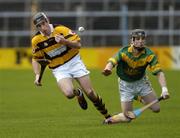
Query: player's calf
[[98, 103], [100, 106]]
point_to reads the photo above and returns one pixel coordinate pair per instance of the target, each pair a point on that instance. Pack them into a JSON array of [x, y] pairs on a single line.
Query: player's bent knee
[[69, 96], [156, 110]]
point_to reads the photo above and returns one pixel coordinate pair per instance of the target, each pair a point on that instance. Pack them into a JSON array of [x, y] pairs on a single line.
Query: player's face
[[44, 28], [139, 42]]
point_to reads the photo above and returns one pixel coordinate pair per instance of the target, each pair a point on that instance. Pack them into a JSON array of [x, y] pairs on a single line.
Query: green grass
[[27, 111]]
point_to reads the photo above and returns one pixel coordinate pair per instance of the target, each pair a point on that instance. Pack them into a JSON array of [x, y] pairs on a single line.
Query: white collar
[[51, 27]]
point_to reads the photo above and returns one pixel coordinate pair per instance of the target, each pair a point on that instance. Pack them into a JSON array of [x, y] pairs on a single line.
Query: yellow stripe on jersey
[[156, 68], [48, 48], [142, 62], [149, 58], [134, 64], [113, 61]]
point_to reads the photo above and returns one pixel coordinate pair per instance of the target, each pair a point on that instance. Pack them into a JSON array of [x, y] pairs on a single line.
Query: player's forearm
[[36, 67], [109, 66], [108, 69], [161, 79], [73, 44]]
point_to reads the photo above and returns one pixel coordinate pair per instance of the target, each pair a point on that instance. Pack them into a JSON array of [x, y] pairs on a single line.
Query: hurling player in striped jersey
[[131, 63], [60, 46]]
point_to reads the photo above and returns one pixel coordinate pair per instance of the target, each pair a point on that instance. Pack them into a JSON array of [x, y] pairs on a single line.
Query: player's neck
[[135, 52]]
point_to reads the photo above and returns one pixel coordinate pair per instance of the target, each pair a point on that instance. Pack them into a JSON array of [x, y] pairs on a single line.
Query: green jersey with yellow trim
[[131, 68]]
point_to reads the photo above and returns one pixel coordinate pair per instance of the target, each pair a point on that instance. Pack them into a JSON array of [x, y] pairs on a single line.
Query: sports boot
[[81, 99]]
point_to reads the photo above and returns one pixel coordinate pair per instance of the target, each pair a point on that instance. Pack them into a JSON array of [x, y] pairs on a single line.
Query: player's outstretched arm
[[162, 82], [39, 66], [36, 69]]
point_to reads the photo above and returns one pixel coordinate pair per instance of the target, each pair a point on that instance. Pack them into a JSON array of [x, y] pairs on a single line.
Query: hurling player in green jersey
[[131, 63]]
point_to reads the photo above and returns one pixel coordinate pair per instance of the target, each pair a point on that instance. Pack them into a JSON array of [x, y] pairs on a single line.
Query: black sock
[[100, 106]]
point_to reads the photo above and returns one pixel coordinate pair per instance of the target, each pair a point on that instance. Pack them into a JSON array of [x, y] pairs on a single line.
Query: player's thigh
[[149, 98], [66, 86], [126, 91], [126, 106]]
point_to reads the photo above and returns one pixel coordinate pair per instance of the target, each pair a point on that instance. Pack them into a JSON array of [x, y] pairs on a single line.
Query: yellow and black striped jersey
[[44, 47]]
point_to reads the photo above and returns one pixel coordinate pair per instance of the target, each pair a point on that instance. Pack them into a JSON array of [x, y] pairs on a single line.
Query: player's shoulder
[[59, 27], [36, 36], [124, 49], [66, 31], [148, 51]]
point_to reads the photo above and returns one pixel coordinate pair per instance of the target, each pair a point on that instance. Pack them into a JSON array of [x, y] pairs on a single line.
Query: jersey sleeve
[[68, 33], [154, 65], [116, 58], [36, 52]]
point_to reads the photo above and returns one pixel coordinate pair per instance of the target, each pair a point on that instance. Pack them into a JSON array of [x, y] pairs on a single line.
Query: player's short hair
[[39, 17], [138, 33]]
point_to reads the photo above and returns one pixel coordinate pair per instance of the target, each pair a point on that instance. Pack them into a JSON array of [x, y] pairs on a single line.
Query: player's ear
[[132, 41]]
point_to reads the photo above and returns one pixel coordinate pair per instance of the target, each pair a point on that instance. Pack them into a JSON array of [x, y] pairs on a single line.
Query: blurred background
[[107, 23], [30, 112]]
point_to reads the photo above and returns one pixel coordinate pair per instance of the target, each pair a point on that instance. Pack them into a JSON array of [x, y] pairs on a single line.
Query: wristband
[[164, 89]]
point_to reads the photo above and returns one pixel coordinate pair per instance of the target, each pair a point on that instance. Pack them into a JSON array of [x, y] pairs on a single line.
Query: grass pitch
[[27, 111]]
